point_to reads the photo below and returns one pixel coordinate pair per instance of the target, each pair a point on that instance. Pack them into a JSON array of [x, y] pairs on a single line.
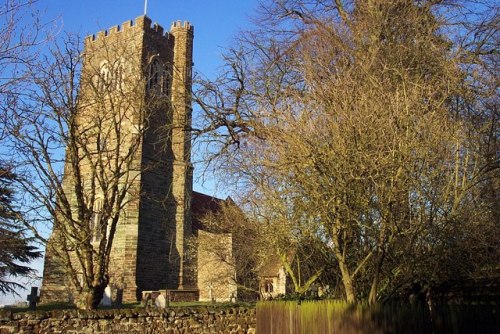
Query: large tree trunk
[[348, 283], [344, 269], [90, 298], [372, 297]]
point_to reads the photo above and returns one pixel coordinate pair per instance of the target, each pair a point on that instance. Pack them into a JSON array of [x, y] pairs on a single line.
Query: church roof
[[272, 264], [202, 204], [271, 267]]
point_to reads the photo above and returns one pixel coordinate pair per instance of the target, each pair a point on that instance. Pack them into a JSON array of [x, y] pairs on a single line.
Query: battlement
[[141, 22], [178, 25]]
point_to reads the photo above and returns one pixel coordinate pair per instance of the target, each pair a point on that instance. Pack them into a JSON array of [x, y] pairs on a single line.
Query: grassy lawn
[[67, 306]]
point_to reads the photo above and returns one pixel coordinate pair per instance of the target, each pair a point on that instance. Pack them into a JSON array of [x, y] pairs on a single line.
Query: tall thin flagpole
[[145, 6]]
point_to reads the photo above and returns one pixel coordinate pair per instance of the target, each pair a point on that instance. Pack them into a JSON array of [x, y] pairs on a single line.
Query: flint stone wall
[[168, 321]]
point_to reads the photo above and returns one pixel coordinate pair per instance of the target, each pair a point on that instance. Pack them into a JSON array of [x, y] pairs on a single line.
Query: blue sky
[[216, 22]]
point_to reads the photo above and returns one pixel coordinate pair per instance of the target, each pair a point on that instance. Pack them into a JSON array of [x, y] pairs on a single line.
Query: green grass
[[68, 306], [208, 304], [42, 307]]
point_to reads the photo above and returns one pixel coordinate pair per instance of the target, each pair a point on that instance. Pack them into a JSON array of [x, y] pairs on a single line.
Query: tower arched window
[[110, 76], [158, 79], [104, 79], [118, 73]]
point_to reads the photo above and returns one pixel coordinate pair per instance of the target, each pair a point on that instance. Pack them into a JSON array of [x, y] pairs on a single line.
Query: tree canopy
[[365, 126]]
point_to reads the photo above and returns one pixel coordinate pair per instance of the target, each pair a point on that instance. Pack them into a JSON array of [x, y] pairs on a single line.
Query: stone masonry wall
[[216, 268], [143, 321], [156, 223]]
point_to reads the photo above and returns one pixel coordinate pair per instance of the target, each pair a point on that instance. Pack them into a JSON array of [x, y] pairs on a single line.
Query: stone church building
[[149, 250]]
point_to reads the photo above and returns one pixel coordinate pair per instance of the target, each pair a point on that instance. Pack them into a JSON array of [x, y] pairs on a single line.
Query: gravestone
[[146, 298], [117, 299], [33, 298], [107, 297], [161, 301]]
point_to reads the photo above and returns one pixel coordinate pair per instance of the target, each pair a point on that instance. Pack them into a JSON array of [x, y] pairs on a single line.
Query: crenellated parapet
[[143, 23], [180, 26]]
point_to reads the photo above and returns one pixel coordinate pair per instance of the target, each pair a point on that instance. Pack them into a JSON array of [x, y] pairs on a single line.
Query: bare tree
[[18, 40], [340, 119], [22, 33], [76, 138]]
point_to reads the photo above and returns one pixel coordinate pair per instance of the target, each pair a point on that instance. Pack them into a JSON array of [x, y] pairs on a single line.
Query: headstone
[[160, 301], [210, 293], [33, 298], [107, 297], [118, 298], [146, 298]]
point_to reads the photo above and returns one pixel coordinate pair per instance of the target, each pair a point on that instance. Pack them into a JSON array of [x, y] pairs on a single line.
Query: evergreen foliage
[[16, 250]]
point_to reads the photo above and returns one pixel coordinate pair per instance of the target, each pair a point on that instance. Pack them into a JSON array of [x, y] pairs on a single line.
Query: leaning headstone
[[33, 298]]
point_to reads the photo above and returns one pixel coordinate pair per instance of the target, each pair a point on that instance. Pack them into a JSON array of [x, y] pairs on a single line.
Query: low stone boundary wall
[[144, 321]]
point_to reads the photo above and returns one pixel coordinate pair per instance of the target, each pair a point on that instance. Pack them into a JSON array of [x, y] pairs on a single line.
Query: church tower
[[148, 250]]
